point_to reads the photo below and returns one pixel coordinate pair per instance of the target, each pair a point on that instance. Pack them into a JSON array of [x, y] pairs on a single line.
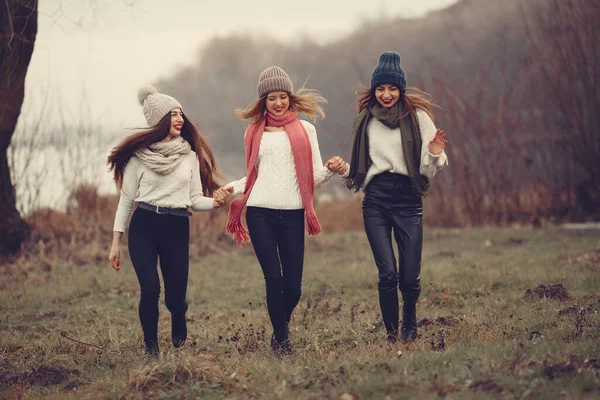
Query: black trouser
[[278, 240], [153, 236], [391, 203]]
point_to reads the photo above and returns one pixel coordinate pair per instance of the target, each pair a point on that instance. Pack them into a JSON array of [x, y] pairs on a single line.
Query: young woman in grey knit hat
[[396, 151], [283, 167], [165, 169]]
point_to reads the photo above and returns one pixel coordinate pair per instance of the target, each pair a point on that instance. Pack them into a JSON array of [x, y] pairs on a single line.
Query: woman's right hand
[[115, 256], [336, 165]]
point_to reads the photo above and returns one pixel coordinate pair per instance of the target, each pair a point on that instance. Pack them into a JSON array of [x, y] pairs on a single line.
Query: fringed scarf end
[[313, 225], [234, 223], [238, 232], [420, 189], [354, 183]]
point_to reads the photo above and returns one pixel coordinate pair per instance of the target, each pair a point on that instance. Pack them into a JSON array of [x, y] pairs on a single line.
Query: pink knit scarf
[[302, 152]]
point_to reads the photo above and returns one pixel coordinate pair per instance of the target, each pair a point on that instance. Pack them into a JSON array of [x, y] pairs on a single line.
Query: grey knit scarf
[[163, 157]]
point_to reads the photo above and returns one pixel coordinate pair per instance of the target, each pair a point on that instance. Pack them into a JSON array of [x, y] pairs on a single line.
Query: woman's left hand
[[337, 165], [221, 196], [438, 143]]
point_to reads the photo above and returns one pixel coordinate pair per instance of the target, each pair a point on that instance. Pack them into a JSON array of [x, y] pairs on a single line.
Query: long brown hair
[[303, 101], [414, 98], [120, 155]]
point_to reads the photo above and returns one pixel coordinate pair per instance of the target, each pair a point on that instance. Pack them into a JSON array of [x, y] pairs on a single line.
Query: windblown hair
[[120, 155], [303, 101], [413, 98]]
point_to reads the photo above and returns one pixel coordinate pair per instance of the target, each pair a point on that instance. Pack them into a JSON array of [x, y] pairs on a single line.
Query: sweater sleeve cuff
[[322, 176], [441, 160], [238, 186], [203, 203], [345, 174]]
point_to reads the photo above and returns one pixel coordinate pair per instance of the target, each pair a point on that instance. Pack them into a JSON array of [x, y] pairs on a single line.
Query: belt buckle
[[157, 210]]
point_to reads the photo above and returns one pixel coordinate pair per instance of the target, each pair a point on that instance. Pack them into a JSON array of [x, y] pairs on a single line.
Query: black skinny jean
[[155, 236], [390, 203], [278, 240]]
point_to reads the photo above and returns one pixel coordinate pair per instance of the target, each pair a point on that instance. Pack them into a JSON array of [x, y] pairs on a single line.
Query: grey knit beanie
[[388, 70], [155, 105], [274, 79]]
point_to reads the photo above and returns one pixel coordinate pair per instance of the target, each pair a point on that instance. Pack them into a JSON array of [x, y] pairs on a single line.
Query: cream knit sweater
[[276, 186], [181, 188], [385, 149]]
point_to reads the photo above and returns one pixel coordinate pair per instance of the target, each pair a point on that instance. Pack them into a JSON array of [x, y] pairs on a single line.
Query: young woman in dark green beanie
[[396, 151]]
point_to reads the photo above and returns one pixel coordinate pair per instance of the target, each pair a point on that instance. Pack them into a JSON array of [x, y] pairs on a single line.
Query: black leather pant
[[389, 204]]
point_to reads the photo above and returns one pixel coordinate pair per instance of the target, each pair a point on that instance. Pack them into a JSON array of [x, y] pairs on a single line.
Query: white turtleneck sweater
[[385, 149], [181, 188], [276, 185]]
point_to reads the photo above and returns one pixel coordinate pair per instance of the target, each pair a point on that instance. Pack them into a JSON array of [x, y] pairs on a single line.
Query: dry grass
[[73, 330]]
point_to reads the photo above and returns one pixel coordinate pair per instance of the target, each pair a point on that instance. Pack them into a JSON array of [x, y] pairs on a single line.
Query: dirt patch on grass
[[515, 241], [557, 291], [574, 310], [487, 385], [555, 370], [247, 338], [44, 375], [448, 320], [438, 342], [574, 365], [51, 315]]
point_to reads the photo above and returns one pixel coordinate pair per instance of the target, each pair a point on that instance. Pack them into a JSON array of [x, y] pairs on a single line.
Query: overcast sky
[[109, 48]]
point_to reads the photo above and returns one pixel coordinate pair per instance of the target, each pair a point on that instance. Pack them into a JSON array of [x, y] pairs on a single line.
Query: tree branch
[[10, 24]]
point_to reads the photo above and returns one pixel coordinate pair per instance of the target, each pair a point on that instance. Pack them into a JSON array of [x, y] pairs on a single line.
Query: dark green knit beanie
[[388, 70]]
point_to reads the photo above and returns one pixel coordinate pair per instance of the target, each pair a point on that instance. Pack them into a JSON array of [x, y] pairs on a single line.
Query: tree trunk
[[18, 29]]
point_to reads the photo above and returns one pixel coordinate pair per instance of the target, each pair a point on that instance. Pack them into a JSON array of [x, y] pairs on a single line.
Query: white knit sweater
[[181, 188], [385, 149], [276, 186]]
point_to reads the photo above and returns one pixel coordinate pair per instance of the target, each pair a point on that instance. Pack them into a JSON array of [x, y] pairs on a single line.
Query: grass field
[[504, 313]]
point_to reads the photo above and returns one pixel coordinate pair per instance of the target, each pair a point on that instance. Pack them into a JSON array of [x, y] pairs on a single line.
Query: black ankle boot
[[409, 322], [281, 348], [178, 330], [392, 337], [151, 348]]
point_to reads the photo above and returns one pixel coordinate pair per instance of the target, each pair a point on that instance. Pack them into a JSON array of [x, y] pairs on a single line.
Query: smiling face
[[278, 103], [177, 122], [387, 95]]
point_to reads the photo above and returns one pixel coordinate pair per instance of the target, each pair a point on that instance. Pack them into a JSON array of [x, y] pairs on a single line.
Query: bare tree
[[28, 140], [18, 30], [564, 60]]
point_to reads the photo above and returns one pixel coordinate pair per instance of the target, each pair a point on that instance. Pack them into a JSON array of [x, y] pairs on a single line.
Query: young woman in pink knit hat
[[283, 167]]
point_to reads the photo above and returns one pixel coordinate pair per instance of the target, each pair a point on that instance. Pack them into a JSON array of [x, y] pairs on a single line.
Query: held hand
[[337, 165], [221, 196], [115, 256], [438, 143]]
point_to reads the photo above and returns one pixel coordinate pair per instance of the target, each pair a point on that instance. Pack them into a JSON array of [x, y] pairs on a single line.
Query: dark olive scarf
[[411, 145]]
